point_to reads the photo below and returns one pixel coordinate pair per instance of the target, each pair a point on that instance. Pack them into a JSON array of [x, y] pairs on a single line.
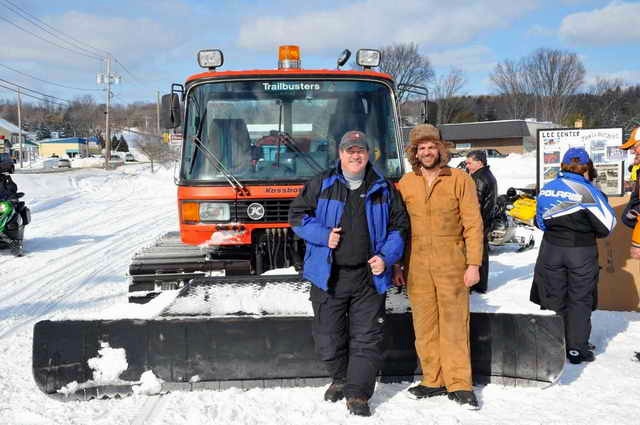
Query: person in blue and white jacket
[[354, 224], [572, 212]]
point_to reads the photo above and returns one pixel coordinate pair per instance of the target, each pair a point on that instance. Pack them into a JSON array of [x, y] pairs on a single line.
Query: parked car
[[64, 163], [116, 160], [6, 163], [494, 153], [129, 157]]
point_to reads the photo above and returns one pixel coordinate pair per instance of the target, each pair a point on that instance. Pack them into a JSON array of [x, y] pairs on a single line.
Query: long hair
[[412, 150], [575, 167]]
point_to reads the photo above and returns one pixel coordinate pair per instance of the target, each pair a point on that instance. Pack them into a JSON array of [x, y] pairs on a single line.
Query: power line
[[34, 91], [30, 95], [25, 15], [129, 72], [100, 51], [49, 41], [48, 82]]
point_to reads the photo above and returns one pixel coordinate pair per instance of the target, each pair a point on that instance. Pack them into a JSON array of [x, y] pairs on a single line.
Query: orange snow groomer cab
[[251, 139]]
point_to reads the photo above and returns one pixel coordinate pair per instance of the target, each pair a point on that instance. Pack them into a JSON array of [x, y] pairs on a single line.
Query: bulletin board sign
[[601, 144]]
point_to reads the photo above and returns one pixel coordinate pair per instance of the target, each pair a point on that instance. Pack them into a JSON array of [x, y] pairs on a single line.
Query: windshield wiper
[[213, 160], [290, 143]]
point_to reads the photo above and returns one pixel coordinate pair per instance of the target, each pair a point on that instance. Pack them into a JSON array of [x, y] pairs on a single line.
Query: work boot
[[358, 406], [577, 356], [464, 398], [335, 392], [422, 391]]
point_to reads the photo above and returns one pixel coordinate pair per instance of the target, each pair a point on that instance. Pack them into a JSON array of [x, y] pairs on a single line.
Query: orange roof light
[[289, 57]]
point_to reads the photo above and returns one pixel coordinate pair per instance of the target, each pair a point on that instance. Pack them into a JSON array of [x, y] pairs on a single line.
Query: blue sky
[[156, 40]]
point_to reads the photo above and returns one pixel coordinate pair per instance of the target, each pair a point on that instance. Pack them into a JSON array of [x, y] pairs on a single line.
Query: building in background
[[71, 147], [506, 136], [9, 135]]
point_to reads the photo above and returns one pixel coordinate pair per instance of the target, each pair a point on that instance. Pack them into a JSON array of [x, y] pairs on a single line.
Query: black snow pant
[[348, 329], [483, 283], [566, 281]]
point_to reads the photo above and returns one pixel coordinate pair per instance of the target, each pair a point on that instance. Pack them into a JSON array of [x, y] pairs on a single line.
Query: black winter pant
[[483, 283], [348, 329], [568, 277]]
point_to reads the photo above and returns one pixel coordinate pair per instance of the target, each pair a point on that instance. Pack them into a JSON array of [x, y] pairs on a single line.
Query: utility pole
[[158, 112], [20, 126], [107, 131], [108, 78]]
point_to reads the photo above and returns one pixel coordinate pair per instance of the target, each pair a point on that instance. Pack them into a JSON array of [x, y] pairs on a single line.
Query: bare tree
[[510, 80], [156, 150], [446, 93], [554, 77], [550, 77], [406, 65]]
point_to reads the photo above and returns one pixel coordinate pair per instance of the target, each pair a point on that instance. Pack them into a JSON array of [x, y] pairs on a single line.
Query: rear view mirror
[[170, 111]]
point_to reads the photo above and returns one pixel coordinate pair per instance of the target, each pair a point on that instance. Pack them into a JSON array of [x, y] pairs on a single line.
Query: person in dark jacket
[[572, 212], [8, 188], [354, 224], [487, 190]]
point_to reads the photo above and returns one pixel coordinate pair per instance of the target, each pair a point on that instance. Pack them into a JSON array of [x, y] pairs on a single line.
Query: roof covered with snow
[[10, 127]]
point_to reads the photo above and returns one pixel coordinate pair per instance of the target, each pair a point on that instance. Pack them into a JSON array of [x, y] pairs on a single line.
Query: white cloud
[[374, 23], [615, 23], [468, 59]]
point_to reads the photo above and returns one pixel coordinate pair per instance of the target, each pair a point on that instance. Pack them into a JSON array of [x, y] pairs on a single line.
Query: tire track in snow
[[68, 275]]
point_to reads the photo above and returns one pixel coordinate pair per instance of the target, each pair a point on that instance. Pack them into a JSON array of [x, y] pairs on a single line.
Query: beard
[[429, 162]]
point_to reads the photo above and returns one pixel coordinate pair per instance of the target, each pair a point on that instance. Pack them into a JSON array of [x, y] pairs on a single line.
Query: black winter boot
[[358, 406], [335, 392], [422, 391], [466, 399], [578, 356]]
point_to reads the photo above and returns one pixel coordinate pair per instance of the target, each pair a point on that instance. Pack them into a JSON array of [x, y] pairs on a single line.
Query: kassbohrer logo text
[[281, 86]]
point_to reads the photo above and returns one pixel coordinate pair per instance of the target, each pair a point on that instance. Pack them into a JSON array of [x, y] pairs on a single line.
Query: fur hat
[[426, 133]]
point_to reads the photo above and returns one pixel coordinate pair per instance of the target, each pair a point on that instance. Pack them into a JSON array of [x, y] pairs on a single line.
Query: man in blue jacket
[[354, 225]]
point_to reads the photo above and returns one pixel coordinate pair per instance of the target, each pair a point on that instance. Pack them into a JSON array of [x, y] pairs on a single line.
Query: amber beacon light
[[289, 57]]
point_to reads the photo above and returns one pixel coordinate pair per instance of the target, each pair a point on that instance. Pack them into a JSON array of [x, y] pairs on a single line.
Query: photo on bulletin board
[[602, 145], [609, 178]]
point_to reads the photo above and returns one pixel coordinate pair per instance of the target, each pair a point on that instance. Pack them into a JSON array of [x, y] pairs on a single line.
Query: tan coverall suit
[[446, 236]]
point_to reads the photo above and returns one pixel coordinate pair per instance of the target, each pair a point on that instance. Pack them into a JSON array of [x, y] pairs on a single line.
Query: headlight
[[214, 212], [210, 58], [3, 207], [368, 58]]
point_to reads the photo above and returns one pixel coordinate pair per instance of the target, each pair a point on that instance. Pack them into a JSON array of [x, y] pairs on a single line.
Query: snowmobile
[[250, 141], [513, 223], [14, 216]]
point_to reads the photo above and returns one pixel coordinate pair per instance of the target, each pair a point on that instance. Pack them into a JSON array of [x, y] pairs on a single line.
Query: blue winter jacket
[[319, 208], [570, 204]]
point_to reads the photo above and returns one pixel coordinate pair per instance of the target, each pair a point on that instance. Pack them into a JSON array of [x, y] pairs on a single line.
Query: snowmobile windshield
[[285, 130]]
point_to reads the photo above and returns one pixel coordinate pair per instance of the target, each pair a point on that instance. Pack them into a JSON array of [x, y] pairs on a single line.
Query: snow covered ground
[[88, 222]]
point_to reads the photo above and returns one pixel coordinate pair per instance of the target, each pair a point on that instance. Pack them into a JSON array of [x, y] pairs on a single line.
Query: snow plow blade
[[191, 353]]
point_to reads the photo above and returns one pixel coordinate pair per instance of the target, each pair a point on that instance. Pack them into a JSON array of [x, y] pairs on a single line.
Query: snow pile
[[516, 170], [87, 162], [226, 299], [150, 384], [109, 364]]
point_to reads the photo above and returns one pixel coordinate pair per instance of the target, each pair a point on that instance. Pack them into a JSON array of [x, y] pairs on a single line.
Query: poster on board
[[601, 144]]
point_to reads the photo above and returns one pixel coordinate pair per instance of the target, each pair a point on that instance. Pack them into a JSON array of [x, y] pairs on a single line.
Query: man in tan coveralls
[[441, 264]]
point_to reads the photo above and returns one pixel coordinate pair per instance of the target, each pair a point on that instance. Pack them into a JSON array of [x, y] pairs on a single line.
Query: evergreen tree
[[122, 145]]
